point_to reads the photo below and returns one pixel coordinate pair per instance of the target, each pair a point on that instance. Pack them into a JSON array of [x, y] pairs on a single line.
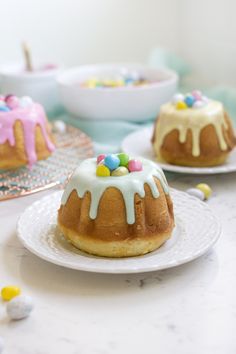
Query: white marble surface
[[187, 310]]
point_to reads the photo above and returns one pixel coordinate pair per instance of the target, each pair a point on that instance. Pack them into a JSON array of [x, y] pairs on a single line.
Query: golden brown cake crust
[[15, 156], [109, 234], [177, 153]]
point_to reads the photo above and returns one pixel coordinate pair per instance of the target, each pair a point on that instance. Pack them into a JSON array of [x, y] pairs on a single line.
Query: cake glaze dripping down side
[[194, 120], [29, 117], [85, 180]]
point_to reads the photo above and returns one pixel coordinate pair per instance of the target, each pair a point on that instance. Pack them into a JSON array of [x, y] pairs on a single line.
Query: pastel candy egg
[[8, 292], [2, 103], [196, 193], [197, 94], [206, 189], [12, 101], [59, 126], [124, 159], [1, 345], [4, 109], [26, 101], [178, 97], [112, 162], [205, 99], [198, 104], [102, 171], [135, 165], [20, 307], [100, 158], [181, 105], [120, 171], [189, 100]]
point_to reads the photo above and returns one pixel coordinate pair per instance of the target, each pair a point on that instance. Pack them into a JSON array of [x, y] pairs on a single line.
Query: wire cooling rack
[[72, 146]]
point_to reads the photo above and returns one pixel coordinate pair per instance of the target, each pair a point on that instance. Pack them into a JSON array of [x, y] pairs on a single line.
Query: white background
[[75, 32]]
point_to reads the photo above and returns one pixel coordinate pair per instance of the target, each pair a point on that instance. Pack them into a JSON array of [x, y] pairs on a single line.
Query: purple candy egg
[[12, 101]]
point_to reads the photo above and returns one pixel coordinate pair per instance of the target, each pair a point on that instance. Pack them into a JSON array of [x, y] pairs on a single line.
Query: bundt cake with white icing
[[25, 135], [117, 209], [193, 130]]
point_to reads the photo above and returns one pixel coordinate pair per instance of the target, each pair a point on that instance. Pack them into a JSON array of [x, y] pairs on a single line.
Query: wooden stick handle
[[27, 57]]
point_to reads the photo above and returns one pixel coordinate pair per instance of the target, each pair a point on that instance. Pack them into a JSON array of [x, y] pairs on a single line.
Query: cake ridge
[[85, 180]]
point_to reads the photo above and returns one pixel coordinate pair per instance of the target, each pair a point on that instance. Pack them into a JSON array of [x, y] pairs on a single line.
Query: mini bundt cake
[[116, 207], [25, 135], [193, 131]]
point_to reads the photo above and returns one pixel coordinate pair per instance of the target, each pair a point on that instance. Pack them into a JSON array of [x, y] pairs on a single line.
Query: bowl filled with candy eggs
[[116, 91]]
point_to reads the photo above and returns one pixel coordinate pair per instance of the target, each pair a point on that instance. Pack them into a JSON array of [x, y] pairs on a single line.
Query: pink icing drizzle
[[29, 117]]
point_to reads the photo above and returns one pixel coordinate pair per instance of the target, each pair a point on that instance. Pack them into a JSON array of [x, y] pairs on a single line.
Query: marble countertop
[[185, 310]]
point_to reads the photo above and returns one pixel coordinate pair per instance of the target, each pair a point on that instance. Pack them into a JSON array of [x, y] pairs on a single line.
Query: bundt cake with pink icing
[[117, 207], [25, 134]]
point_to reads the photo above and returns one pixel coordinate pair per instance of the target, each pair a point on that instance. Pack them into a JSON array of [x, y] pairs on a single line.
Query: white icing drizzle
[[171, 118], [85, 180]]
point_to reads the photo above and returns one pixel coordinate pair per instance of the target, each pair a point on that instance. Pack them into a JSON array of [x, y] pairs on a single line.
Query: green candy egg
[[124, 159], [120, 171]]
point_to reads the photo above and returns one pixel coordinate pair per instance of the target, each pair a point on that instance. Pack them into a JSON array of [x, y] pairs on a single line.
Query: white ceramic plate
[[197, 229], [139, 144]]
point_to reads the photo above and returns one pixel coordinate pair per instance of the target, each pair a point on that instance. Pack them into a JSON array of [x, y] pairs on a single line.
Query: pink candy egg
[[100, 158], [12, 101], [197, 95], [135, 165]]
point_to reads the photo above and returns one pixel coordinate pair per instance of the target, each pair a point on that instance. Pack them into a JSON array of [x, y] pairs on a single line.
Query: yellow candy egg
[[205, 188], [181, 105], [91, 83], [9, 292], [103, 171]]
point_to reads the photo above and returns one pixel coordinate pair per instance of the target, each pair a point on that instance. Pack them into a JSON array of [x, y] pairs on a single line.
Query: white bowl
[[126, 102], [40, 85]]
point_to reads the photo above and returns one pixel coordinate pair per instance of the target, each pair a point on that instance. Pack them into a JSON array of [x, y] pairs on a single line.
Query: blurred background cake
[[25, 135], [193, 130]]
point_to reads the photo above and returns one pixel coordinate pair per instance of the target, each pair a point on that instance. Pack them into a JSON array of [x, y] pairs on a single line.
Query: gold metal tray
[[72, 146]]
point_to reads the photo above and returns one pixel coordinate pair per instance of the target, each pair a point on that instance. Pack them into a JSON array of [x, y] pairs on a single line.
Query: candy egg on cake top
[[193, 130], [25, 134], [113, 210]]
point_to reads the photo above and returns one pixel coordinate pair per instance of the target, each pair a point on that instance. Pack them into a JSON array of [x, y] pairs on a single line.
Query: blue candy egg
[[112, 162], [189, 100], [4, 109]]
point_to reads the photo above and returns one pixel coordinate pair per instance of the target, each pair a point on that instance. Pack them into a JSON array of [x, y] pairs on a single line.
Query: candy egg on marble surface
[[20, 307], [135, 166], [178, 97], [1, 345], [26, 101], [12, 101], [196, 193], [189, 100], [206, 189], [102, 171], [9, 292], [100, 158], [120, 171], [124, 159], [112, 162], [181, 105], [59, 126]]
